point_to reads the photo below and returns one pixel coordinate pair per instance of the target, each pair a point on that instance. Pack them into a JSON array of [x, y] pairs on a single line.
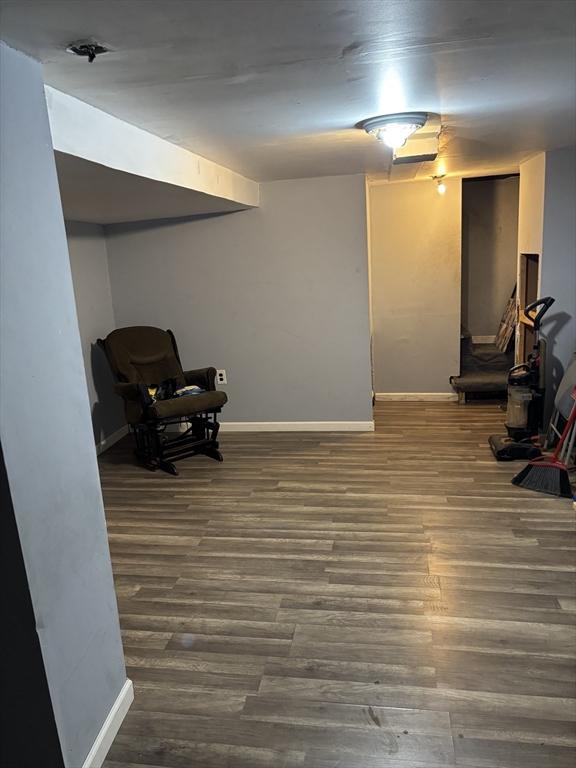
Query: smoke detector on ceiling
[[88, 48]]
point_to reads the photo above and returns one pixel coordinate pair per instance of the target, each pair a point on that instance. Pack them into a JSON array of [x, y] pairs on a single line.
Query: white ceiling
[[273, 88]]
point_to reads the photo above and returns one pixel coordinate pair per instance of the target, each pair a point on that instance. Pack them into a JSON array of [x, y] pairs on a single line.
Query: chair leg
[[167, 466], [148, 450], [143, 447], [213, 452]]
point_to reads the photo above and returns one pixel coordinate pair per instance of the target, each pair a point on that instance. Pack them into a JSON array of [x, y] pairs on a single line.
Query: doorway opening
[[489, 267]]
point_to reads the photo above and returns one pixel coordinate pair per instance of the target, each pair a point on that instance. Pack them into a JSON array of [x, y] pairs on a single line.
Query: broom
[[548, 474]]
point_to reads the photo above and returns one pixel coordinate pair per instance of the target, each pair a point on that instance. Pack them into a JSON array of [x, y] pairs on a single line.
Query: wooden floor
[[345, 601]]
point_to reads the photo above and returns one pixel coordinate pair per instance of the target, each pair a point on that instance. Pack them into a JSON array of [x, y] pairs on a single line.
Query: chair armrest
[[202, 377]]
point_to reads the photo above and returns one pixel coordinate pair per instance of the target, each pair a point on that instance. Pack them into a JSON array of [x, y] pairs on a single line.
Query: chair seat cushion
[[186, 406]]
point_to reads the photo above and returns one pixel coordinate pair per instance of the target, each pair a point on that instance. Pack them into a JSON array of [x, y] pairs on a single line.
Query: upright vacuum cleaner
[[524, 411]]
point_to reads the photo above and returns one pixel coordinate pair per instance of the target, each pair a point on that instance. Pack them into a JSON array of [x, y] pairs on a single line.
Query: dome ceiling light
[[394, 130]]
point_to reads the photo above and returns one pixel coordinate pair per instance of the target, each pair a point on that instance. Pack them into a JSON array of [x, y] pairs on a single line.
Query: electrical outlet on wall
[[221, 376]]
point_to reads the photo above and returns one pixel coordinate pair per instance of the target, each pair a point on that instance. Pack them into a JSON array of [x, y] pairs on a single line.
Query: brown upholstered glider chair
[[142, 358]]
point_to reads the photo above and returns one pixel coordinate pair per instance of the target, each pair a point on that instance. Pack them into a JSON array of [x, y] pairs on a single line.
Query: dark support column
[[28, 735]]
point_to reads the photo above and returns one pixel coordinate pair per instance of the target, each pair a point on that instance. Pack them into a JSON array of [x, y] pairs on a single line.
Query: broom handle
[[567, 428]]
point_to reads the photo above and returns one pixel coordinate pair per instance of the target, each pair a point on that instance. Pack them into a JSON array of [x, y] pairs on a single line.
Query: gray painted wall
[[489, 251], [278, 296], [415, 245], [45, 425], [558, 263], [89, 263]]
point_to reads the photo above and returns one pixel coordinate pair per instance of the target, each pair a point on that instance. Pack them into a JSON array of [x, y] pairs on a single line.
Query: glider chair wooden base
[[158, 448], [164, 430]]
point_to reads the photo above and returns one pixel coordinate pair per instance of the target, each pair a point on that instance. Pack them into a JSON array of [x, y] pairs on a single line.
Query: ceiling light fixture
[[394, 130], [440, 186]]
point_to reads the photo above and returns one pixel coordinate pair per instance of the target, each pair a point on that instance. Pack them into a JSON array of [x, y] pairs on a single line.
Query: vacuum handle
[[545, 303]]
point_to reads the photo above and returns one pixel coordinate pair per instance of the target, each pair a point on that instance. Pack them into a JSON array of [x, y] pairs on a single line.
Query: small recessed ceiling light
[[394, 130]]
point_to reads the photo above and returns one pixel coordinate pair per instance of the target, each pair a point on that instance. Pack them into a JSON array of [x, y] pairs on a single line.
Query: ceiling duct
[[417, 151], [423, 146]]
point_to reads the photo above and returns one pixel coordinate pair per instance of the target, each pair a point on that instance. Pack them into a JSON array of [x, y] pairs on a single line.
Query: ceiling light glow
[[394, 130], [392, 96], [440, 185], [395, 135]]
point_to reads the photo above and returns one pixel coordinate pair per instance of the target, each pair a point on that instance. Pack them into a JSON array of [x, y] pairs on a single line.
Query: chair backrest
[[142, 354]]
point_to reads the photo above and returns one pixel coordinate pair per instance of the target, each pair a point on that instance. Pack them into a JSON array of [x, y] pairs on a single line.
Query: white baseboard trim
[[297, 426], [420, 397], [483, 339], [110, 728], [111, 439]]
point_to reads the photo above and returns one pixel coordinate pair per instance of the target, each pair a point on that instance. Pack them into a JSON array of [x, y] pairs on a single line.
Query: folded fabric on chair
[[186, 406]]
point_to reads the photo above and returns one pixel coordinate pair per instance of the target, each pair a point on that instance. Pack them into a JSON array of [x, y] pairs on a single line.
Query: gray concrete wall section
[[89, 263], [558, 264], [489, 251], [278, 296], [415, 263], [45, 425]]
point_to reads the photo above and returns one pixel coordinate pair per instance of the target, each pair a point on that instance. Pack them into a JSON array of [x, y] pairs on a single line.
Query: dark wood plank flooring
[[383, 600]]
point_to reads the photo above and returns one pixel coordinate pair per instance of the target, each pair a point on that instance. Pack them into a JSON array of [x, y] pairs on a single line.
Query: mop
[[549, 474]]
